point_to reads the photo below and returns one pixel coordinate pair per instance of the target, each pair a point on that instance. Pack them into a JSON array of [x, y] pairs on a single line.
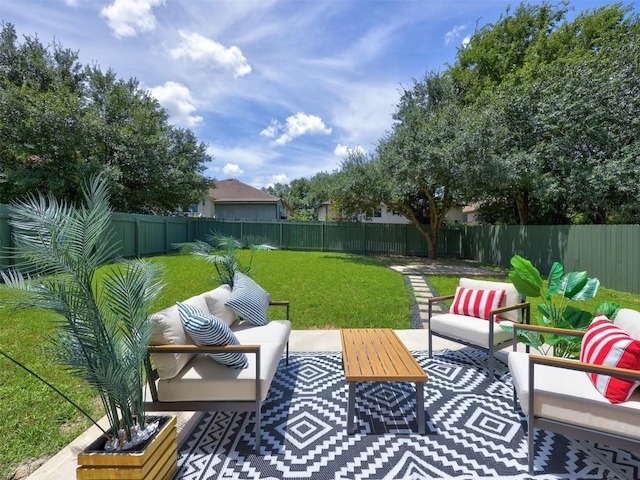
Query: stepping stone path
[[415, 278]]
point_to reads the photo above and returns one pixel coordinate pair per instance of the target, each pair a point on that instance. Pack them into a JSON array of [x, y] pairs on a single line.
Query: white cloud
[[466, 40], [232, 169], [343, 150], [176, 98], [295, 126], [454, 33], [202, 50], [71, 3], [128, 17], [271, 180], [272, 130]]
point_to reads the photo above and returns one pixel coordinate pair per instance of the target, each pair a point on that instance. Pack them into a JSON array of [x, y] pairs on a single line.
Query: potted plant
[[556, 308], [65, 262]]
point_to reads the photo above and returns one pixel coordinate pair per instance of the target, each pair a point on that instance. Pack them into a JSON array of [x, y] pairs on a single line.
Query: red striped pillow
[[477, 303], [607, 344]]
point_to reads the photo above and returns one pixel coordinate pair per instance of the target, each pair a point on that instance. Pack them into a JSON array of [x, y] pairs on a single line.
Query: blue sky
[[277, 89]]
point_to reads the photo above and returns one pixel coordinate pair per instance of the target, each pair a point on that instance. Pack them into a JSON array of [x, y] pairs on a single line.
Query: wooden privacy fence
[[608, 252]]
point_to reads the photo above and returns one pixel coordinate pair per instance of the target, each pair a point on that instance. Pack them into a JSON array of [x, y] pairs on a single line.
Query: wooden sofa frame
[[254, 405], [565, 428]]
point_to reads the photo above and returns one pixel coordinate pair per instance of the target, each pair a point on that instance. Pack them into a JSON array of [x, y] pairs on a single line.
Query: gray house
[[234, 200]]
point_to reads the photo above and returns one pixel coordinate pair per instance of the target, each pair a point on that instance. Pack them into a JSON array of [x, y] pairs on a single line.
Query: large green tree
[[563, 106], [61, 122]]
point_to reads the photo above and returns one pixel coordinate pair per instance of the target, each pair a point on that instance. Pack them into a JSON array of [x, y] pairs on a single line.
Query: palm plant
[[65, 263], [221, 251]]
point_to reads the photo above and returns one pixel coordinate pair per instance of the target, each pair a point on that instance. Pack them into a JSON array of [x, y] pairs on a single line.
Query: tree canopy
[[62, 122], [536, 121]]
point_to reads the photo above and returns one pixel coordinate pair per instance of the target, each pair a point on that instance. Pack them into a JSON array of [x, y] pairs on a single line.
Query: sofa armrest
[[198, 349], [583, 367], [281, 303]]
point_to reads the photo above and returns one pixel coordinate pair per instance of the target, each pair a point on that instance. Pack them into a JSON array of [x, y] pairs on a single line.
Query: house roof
[[232, 190]]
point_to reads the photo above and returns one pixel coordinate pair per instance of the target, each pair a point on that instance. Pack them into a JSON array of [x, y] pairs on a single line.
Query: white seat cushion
[[469, 329], [275, 331], [513, 296], [569, 396], [204, 379]]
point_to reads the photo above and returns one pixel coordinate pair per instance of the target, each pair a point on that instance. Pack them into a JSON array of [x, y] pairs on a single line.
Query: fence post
[[137, 237]]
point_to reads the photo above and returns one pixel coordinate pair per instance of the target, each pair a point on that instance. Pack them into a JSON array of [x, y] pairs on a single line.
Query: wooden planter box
[[157, 460]]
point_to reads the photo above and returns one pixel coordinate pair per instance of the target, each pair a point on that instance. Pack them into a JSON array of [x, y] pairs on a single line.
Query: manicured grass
[[326, 290]]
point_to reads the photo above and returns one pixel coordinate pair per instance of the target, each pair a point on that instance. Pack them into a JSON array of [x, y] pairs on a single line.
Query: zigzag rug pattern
[[473, 431]]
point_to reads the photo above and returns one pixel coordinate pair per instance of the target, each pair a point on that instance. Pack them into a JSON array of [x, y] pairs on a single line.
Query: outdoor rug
[[472, 430]]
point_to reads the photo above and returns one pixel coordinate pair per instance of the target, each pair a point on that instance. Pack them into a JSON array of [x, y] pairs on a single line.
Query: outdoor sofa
[[183, 377], [564, 398]]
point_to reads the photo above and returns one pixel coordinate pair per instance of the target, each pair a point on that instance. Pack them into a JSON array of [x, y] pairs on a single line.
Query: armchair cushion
[[607, 344], [567, 396], [477, 303], [469, 329]]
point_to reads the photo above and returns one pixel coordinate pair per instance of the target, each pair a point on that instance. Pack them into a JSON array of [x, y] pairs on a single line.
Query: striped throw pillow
[[207, 329], [604, 343], [477, 303], [248, 299]]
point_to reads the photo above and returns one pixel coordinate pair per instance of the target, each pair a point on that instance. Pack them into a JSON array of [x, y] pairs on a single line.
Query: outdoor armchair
[[556, 394], [479, 328]]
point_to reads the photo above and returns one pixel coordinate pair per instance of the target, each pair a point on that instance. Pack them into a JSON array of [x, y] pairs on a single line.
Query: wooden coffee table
[[378, 355]]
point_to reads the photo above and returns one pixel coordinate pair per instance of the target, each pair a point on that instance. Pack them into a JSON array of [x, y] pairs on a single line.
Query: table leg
[[420, 407], [351, 407]]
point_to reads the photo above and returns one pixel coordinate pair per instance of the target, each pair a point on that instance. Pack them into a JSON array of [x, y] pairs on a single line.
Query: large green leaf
[[609, 309], [575, 318], [588, 290], [555, 278], [572, 283], [525, 277]]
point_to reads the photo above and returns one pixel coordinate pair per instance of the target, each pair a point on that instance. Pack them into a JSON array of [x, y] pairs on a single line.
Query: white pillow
[[216, 304]]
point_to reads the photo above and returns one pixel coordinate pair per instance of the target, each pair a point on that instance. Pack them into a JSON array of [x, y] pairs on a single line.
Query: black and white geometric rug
[[472, 430]]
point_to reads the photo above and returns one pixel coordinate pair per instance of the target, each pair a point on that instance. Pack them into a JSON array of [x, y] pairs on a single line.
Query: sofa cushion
[[469, 329], [248, 299], [216, 304], [606, 344], [168, 330], [629, 321], [207, 329], [512, 295], [276, 331], [477, 303], [568, 396], [205, 380]]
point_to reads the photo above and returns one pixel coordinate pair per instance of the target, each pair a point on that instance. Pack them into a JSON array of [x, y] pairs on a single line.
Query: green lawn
[[326, 290]]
